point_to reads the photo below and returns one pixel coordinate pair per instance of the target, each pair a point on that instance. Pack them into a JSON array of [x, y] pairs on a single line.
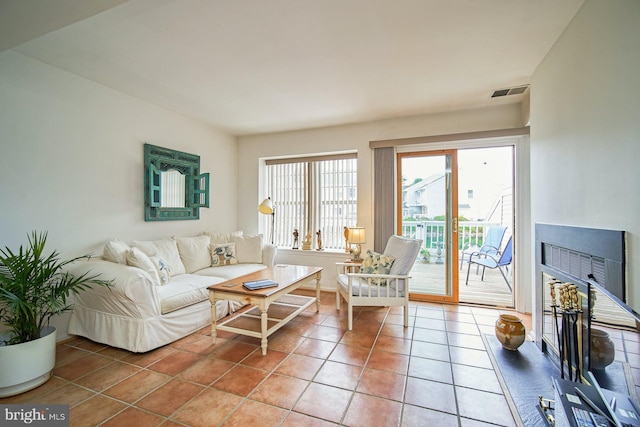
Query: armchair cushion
[[360, 287], [405, 252]]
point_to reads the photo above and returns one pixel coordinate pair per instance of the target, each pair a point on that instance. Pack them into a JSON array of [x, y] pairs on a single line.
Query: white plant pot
[[28, 365]]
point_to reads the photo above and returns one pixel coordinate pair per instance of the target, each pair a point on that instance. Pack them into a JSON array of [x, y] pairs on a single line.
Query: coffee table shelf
[[280, 312]]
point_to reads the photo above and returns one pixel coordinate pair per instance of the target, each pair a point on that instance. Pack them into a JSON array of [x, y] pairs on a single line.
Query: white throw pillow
[[194, 252], [116, 251], [223, 254], [165, 249], [222, 237], [137, 258], [249, 248]]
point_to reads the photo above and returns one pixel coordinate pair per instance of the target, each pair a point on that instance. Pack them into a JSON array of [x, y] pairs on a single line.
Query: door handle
[[454, 225]]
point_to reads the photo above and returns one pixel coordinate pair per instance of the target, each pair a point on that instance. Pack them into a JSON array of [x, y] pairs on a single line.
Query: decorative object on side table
[[347, 246], [319, 235], [295, 238], [510, 331], [356, 237], [33, 288]]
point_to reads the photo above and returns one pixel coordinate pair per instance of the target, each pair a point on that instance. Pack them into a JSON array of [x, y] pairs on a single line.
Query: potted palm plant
[[34, 287]]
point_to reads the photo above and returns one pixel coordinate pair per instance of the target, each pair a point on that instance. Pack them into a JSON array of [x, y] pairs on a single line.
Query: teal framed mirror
[[174, 188]]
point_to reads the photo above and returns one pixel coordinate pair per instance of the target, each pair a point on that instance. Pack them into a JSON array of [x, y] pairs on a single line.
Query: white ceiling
[[255, 66]]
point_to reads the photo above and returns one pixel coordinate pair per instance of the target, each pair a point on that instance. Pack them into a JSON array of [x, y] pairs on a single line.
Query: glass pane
[[172, 185], [316, 198], [425, 209], [485, 224]]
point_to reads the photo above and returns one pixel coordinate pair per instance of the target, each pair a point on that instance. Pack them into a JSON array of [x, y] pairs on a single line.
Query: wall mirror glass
[[174, 188]]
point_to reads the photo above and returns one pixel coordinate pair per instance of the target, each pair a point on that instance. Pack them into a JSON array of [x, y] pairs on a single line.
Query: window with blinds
[[313, 194]]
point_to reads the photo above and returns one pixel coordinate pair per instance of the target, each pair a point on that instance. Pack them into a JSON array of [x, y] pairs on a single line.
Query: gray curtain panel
[[384, 196]]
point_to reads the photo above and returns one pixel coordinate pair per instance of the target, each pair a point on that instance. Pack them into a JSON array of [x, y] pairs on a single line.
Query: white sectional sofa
[[159, 292]]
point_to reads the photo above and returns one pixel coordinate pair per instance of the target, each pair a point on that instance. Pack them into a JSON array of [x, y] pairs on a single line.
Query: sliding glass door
[[428, 210], [459, 202]]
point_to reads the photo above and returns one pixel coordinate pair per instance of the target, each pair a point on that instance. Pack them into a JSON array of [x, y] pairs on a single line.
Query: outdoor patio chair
[[370, 286], [488, 261], [490, 245]]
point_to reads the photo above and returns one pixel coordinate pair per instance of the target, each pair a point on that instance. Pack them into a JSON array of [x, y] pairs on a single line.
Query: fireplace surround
[[594, 261]]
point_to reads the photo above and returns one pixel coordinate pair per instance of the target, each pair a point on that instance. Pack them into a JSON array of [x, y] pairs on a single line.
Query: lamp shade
[[357, 235], [266, 207]]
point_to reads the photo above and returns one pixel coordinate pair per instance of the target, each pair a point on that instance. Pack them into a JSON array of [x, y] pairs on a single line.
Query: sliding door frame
[[451, 226]]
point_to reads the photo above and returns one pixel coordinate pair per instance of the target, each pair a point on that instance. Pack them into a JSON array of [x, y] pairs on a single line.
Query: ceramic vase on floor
[[510, 331]]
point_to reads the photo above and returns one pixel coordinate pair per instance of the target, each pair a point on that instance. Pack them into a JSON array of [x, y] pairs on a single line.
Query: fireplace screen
[[612, 329], [605, 336]]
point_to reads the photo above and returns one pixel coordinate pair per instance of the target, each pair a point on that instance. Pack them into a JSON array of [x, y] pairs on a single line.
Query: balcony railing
[[432, 233]]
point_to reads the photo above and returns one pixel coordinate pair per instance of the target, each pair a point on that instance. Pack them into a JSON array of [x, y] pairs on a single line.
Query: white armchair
[[376, 285]]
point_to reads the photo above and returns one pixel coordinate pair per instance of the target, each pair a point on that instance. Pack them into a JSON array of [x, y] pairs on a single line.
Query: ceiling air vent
[[518, 90]]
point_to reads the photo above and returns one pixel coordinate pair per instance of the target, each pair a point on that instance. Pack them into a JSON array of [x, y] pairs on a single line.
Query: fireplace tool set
[[570, 312]]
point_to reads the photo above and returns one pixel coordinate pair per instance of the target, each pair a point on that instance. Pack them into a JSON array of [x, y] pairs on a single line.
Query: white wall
[[71, 159], [585, 127], [349, 137]]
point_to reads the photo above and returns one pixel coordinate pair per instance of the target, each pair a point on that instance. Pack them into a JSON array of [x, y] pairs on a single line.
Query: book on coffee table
[[259, 284]]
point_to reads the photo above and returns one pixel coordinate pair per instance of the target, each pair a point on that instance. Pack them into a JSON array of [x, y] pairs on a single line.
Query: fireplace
[[594, 261]]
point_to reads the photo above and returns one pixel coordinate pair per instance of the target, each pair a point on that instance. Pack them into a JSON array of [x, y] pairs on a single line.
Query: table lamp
[[357, 237]]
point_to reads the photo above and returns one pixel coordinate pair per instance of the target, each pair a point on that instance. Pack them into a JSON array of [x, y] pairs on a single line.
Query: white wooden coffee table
[[274, 306]]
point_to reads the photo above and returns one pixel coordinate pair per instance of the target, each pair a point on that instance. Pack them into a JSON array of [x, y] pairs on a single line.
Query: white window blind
[[313, 194]]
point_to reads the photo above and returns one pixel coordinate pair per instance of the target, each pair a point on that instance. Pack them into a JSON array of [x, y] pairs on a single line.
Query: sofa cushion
[[223, 254], [222, 237], [194, 252], [165, 249], [116, 251], [249, 248], [137, 258], [185, 290]]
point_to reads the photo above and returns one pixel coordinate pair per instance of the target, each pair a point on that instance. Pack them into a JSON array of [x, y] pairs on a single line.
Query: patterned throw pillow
[[223, 254], [163, 270], [375, 263]]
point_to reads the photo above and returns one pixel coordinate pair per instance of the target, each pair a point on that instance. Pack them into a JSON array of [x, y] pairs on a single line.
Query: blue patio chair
[[490, 245], [490, 262]]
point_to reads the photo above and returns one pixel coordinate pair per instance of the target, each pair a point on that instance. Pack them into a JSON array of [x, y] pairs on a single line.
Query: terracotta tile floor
[[436, 372]]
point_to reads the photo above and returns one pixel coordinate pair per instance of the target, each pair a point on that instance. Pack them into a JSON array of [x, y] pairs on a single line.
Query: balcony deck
[[492, 291]]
